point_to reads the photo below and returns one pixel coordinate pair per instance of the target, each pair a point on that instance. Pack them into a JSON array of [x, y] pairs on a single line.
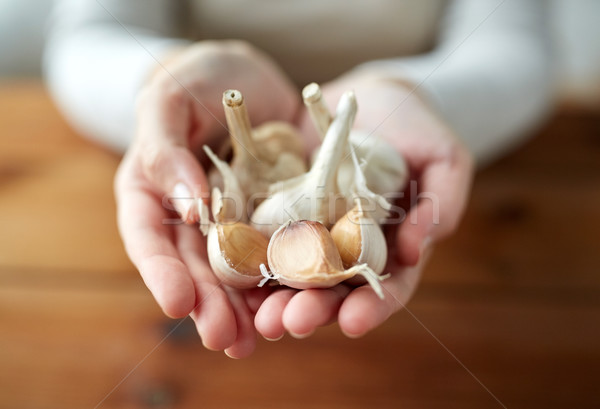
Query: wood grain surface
[[507, 314]]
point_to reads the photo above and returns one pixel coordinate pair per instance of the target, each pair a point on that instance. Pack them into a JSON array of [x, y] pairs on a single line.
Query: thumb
[[176, 173], [164, 124]]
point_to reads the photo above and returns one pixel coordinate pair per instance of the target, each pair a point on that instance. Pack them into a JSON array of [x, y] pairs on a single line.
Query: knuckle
[[152, 159]]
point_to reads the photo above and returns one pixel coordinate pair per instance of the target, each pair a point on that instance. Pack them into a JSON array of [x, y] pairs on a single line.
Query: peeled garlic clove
[[302, 254], [235, 253], [360, 240]]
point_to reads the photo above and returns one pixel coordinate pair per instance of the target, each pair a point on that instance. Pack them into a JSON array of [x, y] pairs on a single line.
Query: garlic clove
[[302, 254], [360, 240], [235, 253]]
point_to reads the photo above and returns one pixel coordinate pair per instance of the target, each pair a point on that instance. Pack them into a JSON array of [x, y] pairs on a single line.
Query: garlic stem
[[239, 126], [334, 145], [317, 108]]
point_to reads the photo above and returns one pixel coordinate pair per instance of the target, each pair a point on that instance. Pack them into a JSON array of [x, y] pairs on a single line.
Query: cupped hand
[[440, 169], [179, 109]]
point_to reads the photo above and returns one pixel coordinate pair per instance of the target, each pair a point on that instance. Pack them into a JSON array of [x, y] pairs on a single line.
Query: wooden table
[[510, 306]]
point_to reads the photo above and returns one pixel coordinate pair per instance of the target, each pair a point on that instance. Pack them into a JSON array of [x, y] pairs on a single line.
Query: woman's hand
[[441, 170], [178, 111]]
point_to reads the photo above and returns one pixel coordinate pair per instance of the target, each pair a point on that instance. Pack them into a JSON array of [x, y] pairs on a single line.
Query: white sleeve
[[491, 75], [98, 54]]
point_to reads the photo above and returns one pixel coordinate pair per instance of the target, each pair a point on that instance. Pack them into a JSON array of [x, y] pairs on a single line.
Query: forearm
[[490, 77], [95, 63]]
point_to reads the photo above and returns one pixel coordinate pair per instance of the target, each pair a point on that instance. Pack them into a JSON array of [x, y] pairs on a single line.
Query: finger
[[150, 247], [165, 122], [313, 308], [268, 320], [440, 202], [363, 310], [213, 314], [245, 341], [255, 297]]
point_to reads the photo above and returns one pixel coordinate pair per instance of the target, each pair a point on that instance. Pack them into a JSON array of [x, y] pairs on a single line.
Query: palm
[[438, 164]]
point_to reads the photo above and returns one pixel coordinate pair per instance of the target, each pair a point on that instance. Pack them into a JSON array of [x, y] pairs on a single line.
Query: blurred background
[[506, 316]]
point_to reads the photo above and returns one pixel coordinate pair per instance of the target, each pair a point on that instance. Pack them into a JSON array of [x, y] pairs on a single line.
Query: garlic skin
[[255, 166], [360, 240], [302, 254], [312, 195]]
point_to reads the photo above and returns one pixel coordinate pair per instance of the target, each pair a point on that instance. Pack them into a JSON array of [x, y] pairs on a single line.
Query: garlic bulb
[[235, 250], [273, 139], [302, 254], [312, 195], [386, 171], [255, 166]]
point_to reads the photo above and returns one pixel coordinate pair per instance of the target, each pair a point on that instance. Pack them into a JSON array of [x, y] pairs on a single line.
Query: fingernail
[[273, 339], [203, 217], [302, 336], [183, 201], [352, 336], [230, 356]]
